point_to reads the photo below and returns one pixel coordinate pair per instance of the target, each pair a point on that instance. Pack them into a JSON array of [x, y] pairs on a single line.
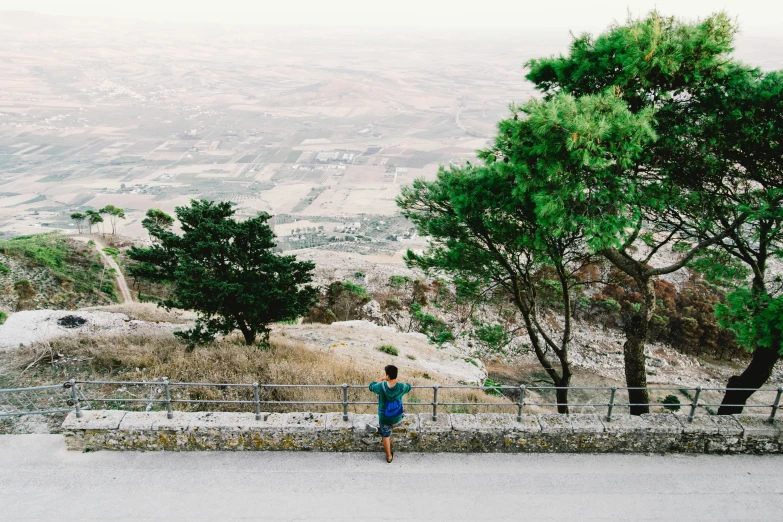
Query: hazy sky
[[755, 16]]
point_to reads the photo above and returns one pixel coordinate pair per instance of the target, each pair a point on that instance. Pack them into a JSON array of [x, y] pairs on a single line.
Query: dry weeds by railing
[[78, 395]]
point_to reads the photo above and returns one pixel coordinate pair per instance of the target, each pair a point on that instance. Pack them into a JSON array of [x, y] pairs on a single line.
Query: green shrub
[[393, 304], [397, 281], [670, 402], [492, 337], [494, 387], [3, 316], [388, 348], [4, 269], [349, 288], [437, 331], [412, 358]]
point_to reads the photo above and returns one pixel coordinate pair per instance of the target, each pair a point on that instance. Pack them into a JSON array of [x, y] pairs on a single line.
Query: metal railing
[[38, 400], [78, 395]]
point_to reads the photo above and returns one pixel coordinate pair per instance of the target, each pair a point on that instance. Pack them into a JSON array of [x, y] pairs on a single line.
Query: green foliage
[[609, 305], [756, 318], [79, 218], [393, 304], [113, 252], [115, 214], [3, 317], [671, 403], [493, 338], [226, 271], [398, 281], [436, 330], [156, 219], [719, 151], [4, 269], [343, 299], [388, 348], [493, 388], [347, 287], [93, 218]]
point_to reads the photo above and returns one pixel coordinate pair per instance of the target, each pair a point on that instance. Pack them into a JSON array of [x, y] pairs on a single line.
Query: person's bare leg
[[387, 447]]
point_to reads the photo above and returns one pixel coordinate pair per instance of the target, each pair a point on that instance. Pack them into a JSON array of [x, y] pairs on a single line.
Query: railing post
[[611, 404], [169, 411], [435, 402], [345, 402], [75, 395], [521, 402], [256, 402], [695, 404], [776, 405]]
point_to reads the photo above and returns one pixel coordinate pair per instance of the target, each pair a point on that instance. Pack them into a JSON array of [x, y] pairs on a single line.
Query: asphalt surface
[[41, 480]]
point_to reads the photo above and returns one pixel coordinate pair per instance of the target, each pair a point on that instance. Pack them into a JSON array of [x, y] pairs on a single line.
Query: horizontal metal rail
[[71, 396]]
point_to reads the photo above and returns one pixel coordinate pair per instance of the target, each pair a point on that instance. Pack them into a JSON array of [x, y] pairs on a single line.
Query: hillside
[[52, 271]]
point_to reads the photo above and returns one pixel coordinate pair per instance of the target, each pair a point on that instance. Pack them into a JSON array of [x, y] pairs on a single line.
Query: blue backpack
[[392, 409]]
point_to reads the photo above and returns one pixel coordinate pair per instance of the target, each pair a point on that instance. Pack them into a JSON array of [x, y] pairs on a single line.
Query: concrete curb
[[484, 432]]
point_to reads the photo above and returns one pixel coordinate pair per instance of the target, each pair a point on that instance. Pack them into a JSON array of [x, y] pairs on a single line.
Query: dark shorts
[[386, 430]]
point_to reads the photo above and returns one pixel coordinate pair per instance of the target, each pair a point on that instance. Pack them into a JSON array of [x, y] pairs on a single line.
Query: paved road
[[40, 480]]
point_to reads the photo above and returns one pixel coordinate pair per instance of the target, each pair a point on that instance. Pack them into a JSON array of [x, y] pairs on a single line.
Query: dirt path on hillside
[[127, 297]]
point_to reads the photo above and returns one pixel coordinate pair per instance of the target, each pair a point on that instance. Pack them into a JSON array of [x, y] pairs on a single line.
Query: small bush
[[494, 387], [3, 316], [397, 281], [393, 304], [4, 269], [670, 402], [387, 348], [412, 358], [435, 329]]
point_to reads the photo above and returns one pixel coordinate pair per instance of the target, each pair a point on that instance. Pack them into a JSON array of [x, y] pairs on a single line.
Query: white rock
[[32, 326], [363, 324]]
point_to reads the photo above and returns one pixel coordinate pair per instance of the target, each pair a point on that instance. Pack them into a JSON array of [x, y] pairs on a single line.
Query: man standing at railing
[[390, 409]]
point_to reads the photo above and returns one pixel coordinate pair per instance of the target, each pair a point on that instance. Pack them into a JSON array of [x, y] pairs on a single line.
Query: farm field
[[317, 128]]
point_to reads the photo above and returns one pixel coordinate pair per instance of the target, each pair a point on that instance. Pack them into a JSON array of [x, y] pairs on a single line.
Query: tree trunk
[[761, 365], [755, 375], [562, 395], [250, 335], [636, 332]]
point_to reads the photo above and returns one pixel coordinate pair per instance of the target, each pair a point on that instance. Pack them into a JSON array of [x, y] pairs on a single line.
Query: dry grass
[[151, 358]]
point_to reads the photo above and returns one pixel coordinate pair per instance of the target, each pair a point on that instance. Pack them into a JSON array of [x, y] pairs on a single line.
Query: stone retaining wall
[[484, 432]]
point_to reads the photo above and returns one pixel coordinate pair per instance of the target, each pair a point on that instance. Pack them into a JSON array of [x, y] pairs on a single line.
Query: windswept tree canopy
[[709, 183]]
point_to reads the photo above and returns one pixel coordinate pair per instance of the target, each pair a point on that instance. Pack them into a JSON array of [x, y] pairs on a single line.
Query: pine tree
[[225, 270]]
